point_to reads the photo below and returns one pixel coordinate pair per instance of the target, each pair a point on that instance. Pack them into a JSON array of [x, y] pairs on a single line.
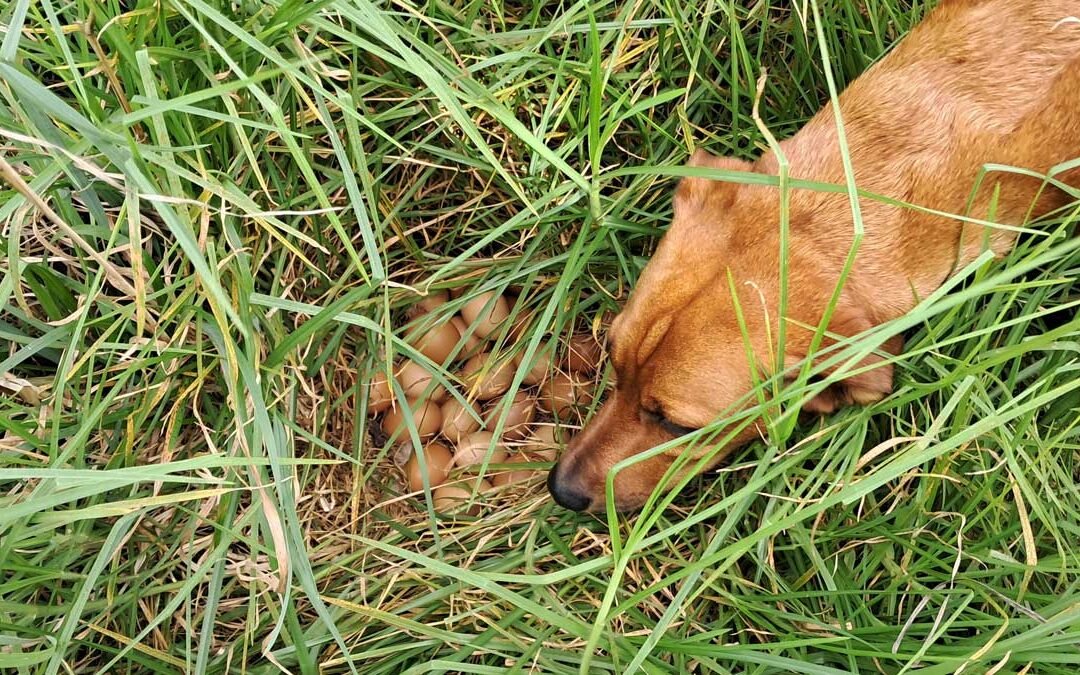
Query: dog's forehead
[[669, 283], [698, 370], [687, 282], [689, 352]]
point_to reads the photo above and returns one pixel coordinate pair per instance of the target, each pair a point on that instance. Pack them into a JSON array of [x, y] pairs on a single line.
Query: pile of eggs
[[459, 440]]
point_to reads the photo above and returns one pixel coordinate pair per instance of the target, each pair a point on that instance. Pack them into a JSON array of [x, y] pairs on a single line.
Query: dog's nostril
[[565, 495]]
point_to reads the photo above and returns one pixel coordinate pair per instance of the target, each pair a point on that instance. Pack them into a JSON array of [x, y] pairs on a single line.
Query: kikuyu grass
[[214, 217]]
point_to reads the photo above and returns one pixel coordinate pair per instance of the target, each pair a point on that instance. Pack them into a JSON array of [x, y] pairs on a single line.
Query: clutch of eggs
[[461, 458]]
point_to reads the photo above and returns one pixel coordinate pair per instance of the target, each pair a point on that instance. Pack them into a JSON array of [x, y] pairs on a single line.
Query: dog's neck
[[919, 130]]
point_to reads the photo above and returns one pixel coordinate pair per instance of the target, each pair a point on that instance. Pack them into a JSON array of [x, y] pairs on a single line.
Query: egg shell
[[520, 326], [457, 422], [583, 353], [436, 341], [546, 436], [485, 314], [560, 394], [544, 454], [450, 498], [472, 342], [486, 378], [541, 365], [515, 475], [544, 443], [415, 380], [522, 412], [437, 458], [472, 449], [380, 396], [429, 303], [426, 415]]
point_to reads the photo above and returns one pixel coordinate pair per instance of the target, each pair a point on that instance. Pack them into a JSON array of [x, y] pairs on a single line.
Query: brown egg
[[485, 314], [472, 449], [546, 436], [522, 412], [449, 498], [415, 380], [428, 303], [544, 454], [486, 378], [583, 354], [456, 421], [472, 343], [561, 394], [520, 326], [437, 458], [515, 475], [541, 365], [436, 342], [427, 416], [546, 441], [380, 395]]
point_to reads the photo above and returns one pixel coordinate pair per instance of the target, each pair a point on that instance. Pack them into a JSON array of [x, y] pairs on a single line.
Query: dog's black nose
[[564, 493]]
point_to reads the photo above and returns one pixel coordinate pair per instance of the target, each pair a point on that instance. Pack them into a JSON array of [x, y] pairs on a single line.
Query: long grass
[[214, 218]]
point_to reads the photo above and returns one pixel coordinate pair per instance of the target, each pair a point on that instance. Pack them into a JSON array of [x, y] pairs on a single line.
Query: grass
[[214, 218]]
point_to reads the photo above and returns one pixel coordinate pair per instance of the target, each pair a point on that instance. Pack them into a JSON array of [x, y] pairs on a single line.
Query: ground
[[215, 218]]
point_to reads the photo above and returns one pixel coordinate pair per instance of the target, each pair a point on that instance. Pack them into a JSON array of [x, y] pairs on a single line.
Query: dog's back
[[978, 82]]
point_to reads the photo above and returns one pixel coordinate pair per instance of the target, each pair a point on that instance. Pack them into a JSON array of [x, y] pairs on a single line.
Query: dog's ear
[[862, 388], [693, 191]]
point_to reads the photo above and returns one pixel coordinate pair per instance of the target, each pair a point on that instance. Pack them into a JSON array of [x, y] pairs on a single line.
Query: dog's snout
[[565, 492]]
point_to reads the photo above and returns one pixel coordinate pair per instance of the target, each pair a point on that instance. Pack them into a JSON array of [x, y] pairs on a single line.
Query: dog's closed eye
[[656, 416]]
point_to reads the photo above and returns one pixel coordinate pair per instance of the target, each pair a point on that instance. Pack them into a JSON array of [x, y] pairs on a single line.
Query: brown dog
[[978, 82]]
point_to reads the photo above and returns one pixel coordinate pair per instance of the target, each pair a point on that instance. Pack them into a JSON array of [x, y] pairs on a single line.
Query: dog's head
[[702, 318]]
